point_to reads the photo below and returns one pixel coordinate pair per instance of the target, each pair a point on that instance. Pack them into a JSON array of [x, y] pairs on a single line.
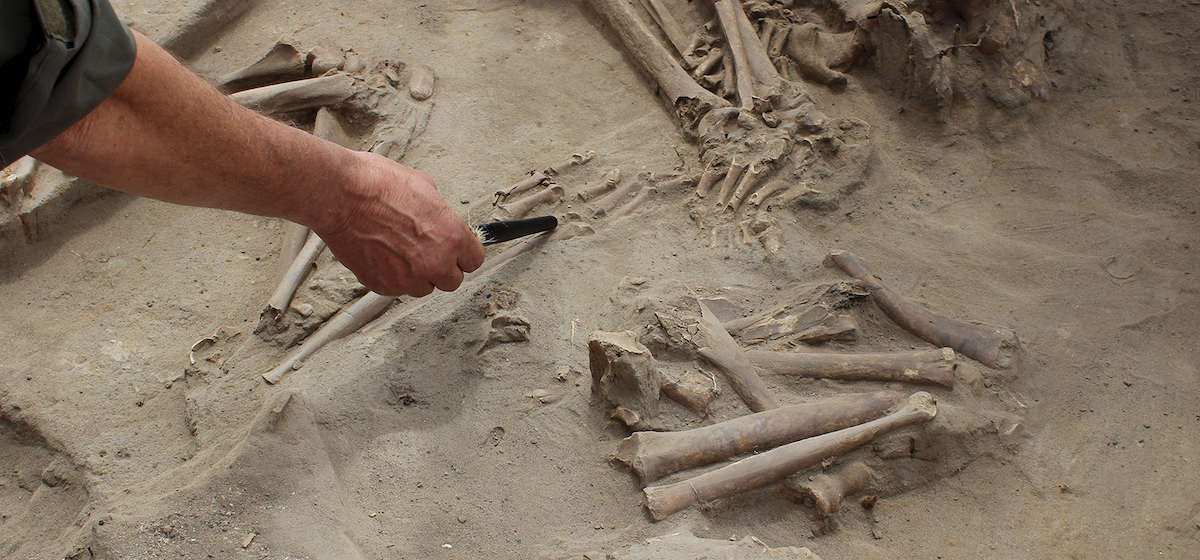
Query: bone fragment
[[278, 304], [681, 92], [16, 180], [774, 465], [778, 40], [681, 183], [607, 184], [766, 191], [693, 390], [803, 47], [348, 320], [725, 353], [520, 208], [572, 161], [760, 62], [354, 63], [605, 203], [767, 31], [708, 179], [990, 346], [667, 23], [625, 374], [708, 63], [420, 81], [827, 491], [328, 128], [754, 175], [297, 96], [923, 367], [630, 206], [653, 455], [325, 57], [535, 179], [282, 64], [731, 180]]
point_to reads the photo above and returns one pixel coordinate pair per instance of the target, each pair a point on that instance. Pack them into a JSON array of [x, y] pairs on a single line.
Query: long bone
[[922, 367], [742, 73], [667, 23], [371, 305], [283, 63], [731, 180], [605, 203], [653, 455], [297, 96], [766, 191], [630, 206], [539, 177], [681, 92], [990, 346], [754, 175], [771, 466], [608, 183], [521, 207], [709, 63], [826, 491], [710, 178], [278, 304], [723, 351]]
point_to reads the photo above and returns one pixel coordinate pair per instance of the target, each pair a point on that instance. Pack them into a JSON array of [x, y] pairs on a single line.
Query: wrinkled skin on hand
[[397, 234]]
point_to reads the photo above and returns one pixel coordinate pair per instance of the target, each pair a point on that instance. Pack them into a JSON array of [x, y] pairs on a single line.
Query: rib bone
[[774, 465]]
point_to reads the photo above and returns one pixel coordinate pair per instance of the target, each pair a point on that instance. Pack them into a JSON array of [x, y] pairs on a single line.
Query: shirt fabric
[[59, 59]]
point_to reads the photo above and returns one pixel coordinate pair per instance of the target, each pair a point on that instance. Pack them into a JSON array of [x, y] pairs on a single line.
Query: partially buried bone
[[750, 180], [693, 390], [709, 178], [990, 346], [605, 203], [679, 90], [624, 374], [571, 162], [632, 205], [725, 353], [325, 57], [816, 52], [766, 191], [420, 82], [294, 238], [284, 63], [774, 465], [731, 180], [301, 265], [825, 492], [922, 367], [297, 96], [520, 208], [667, 22], [653, 455], [608, 183]]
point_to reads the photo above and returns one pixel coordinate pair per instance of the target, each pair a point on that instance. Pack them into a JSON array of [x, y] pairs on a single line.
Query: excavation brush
[[499, 232]]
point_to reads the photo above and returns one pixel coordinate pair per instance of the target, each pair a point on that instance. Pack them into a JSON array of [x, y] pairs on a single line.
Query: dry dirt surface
[[1030, 165]]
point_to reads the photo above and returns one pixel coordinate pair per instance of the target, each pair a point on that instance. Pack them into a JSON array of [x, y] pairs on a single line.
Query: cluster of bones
[[759, 134]]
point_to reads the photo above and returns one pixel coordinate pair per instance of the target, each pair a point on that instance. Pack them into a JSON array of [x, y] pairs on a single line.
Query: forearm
[[166, 134]]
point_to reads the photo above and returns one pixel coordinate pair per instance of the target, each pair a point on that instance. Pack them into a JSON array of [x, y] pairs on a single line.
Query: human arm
[[166, 134]]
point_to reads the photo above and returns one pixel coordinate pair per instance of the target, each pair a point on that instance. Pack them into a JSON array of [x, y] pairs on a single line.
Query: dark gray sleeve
[[59, 59]]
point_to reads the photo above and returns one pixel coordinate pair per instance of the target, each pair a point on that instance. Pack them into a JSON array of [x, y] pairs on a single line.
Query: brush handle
[[499, 232]]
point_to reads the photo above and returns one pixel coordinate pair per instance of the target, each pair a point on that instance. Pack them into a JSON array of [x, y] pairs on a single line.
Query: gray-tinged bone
[[709, 63], [771, 466], [284, 63], [922, 367], [725, 353], [667, 22], [826, 492]]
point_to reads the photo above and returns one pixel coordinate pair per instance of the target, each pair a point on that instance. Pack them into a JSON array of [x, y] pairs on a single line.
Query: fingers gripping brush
[[499, 232]]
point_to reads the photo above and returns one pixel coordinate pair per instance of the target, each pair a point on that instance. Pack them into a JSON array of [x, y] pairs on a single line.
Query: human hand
[[396, 233]]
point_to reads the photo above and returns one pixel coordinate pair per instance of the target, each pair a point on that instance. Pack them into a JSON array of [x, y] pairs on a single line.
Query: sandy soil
[[1070, 219]]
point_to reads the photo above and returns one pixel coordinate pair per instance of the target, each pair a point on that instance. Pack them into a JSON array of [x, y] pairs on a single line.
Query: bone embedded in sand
[[284, 63], [420, 81], [771, 466], [709, 63], [923, 367], [682, 93], [803, 47], [632, 205], [680, 183], [520, 208], [731, 180], [282, 296], [653, 455], [294, 237], [608, 183], [573, 161], [742, 74], [606, 202], [725, 353], [990, 346], [347, 320], [757, 198], [528, 183], [297, 96], [624, 374], [354, 63], [667, 22], [778, 40], [708, 179], [826, 492], [754, 175], [327, 127]]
